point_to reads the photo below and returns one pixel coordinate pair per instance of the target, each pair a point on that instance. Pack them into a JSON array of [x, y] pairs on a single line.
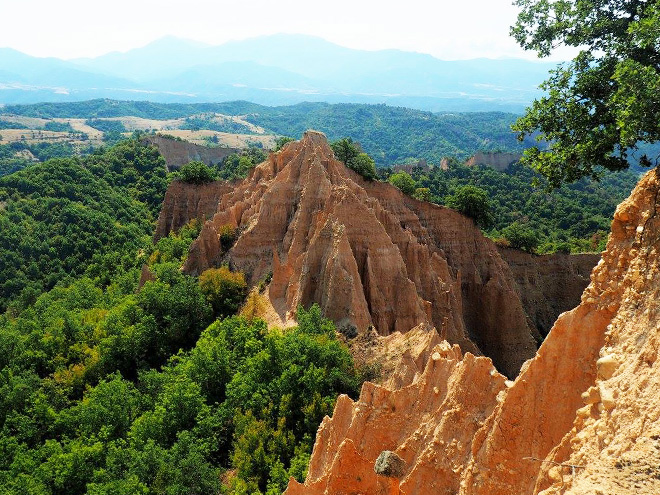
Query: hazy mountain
[[277, 69], [17, 67], [161, 58], [208, 79]]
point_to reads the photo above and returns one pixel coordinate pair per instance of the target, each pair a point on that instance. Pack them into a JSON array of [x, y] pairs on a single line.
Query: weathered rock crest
[[367, 254], [582, 417]]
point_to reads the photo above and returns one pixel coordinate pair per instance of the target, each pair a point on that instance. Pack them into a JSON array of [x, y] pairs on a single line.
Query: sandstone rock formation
[[582, 417], [616, 432], [184, 202], [367, 254], [178, 153], [549, 284], [498, 161], [429, 424]]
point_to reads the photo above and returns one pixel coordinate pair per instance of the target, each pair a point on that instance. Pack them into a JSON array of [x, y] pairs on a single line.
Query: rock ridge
[[549, 284], [179, 152], [367, 254], [582, 417], [184, 202]]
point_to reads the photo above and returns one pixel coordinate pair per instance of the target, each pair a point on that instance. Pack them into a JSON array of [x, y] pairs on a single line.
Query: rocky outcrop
[[184, 202], [582, 417], [498, 161], [146, 275], [178, 152], [428, 424], [397, 359], [409, 168], [367, 254], [549, 284], [615, 435]]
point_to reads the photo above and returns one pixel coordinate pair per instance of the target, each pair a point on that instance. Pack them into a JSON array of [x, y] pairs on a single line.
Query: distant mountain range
[[274, 70]]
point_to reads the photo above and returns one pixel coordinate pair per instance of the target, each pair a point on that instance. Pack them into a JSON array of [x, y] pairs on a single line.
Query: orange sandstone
[[367, 254], [582, 417]]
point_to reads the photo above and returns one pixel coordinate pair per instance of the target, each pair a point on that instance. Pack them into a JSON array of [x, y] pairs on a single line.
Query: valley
[[286, 248], [390, 307]]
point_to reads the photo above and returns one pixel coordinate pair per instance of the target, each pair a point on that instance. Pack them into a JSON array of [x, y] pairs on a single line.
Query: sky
[[448, 30]]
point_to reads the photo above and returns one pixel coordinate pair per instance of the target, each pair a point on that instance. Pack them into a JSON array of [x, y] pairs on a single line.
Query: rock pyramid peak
[[366, 253], [581, 417]]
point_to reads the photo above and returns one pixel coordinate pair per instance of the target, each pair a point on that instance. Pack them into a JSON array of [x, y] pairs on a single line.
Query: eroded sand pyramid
[[365, 252], [582, 417]]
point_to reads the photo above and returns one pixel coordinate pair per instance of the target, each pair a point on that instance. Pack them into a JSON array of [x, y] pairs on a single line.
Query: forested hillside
[[389, 134], [108, 386], [18, 155], [573, 218], [106, 389], [394, 134], [65, 216]]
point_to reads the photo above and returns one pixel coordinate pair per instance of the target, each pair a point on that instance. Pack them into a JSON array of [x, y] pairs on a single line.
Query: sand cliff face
[[367, 254], [582, 417], [549, 284], [498, 161], [615, 436], [436, 417], [184, 202], [178, 153]]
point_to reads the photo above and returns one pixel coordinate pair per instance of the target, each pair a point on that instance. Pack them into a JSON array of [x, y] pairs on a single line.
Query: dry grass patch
[[224, 138]]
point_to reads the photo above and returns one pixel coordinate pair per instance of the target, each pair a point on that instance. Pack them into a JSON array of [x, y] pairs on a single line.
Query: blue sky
[[82, 28]]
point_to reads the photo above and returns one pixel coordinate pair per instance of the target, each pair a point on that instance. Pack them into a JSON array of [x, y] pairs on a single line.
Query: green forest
[[11, 160], [388, 134], [572, 218], [109, 386], [117, 383], [65, 216]]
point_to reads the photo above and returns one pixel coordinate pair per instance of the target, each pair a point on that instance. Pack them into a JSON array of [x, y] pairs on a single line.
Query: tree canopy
[[196, 172], [605, 101], [471, 201], [574, 217], [68, 215], [123, 388], [350, 152], [403, 182]]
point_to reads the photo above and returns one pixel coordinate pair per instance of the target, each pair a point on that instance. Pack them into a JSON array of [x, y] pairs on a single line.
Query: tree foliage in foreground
[[115, 390], [607, 99]]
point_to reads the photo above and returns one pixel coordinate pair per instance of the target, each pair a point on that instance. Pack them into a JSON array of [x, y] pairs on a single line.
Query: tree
[[351, 154], [404, 182], [364, 165], [281, 141], [225, 290], [521, 237], [423, 194], [605, 101], [197, 173], [473, 202], [345, 150]]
